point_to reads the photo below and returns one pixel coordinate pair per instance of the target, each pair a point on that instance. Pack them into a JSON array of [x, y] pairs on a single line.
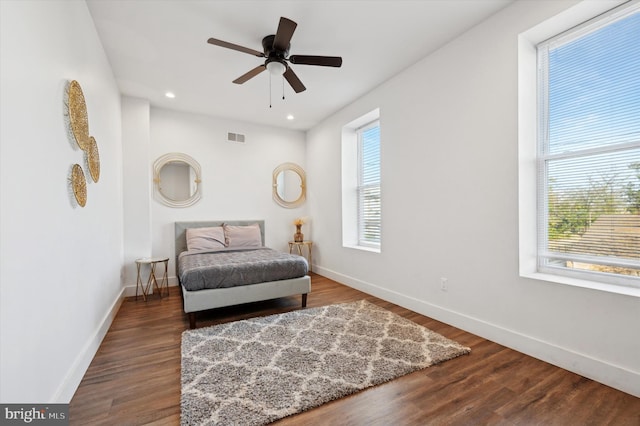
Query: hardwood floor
[[134, 378]]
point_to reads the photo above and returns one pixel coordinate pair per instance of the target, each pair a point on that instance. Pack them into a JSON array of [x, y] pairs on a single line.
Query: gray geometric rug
[[259, 370]]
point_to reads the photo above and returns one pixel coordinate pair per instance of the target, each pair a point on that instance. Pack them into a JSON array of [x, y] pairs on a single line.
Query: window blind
[[589, 149], [369, 207]]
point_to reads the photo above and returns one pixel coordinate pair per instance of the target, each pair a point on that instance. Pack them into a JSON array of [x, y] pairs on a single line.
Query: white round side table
[[151, 279]]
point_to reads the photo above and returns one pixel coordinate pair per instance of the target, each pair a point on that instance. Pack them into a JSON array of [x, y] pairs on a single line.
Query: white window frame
[[350, 183], [527, 144]]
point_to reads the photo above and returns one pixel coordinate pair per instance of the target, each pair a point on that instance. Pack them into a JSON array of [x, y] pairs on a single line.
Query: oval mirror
[[177, 181], [289, 185]]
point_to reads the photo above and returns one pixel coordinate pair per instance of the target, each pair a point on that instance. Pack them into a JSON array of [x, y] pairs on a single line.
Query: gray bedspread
[[198, 270]]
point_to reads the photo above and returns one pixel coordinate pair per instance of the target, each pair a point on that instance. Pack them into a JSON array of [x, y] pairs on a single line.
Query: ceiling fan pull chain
[[282, 87], [269, 90]]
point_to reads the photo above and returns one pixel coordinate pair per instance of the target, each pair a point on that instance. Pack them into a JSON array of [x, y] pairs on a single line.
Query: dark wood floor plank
[[134, 378]]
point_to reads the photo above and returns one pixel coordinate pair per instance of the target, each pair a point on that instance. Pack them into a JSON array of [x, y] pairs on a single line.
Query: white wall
[[137, 188], [60, 263], [450, 209], [236, 177]]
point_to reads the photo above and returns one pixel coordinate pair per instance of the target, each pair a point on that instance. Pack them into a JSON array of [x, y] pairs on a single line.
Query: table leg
[[152, 278], [165, 280], [139, 284]]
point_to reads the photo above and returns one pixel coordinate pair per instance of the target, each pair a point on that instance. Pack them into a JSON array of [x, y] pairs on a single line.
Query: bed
[[201, 271]]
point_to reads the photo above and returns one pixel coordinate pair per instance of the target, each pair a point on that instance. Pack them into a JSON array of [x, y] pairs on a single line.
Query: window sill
[[593, 285], [363, 248]]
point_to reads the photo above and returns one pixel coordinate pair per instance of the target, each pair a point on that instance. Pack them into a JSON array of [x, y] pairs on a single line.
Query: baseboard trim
[[611, 375], [130, 290], [67, 389]]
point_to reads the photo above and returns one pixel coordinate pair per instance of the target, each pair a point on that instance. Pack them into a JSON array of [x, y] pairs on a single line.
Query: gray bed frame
[[201, 300]]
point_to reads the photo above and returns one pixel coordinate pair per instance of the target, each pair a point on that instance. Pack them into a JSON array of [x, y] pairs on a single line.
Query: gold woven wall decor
[[79, 184], [79, 129], [93, 159], [78, 119]]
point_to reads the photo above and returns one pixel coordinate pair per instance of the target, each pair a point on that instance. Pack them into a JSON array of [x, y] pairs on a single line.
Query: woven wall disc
[[93, 158], [78, 119], [79, 185]]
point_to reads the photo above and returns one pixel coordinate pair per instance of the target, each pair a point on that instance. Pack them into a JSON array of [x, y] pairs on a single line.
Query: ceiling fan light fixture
[[276, 68]]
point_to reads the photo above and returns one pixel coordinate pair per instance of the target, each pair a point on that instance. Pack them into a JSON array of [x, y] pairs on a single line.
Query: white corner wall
[[449, 127], [137, 187], [60, 263]]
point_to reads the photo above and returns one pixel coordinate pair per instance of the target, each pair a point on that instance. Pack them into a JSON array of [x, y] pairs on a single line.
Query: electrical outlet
[[444, 283]]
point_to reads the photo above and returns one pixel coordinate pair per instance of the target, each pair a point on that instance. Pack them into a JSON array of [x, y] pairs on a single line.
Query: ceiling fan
[[276, 51]]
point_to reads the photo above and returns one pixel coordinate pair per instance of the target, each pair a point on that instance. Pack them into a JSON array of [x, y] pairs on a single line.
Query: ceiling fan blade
[[324, 61], [294, 81], [247, 76], [228, 45], [286, 27]]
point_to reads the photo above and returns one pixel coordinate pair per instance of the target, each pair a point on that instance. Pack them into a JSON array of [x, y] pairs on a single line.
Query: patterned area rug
[[256, 371]]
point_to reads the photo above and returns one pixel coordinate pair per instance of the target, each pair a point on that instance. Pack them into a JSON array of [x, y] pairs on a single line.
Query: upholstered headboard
[[181, 231]]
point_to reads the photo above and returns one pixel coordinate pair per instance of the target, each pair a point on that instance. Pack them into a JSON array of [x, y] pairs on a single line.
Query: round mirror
[[289, 185], [176, 180]]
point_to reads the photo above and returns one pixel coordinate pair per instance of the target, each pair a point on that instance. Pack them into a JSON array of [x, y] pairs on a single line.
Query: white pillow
[[243, 236], [205, 238]]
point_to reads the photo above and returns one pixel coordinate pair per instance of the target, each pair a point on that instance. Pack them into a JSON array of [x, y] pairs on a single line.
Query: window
[[369, 185], [588, 159], [361, 196]]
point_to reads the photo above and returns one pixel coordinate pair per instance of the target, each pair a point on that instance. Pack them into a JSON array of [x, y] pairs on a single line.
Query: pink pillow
[[205, 238], [243, 236]]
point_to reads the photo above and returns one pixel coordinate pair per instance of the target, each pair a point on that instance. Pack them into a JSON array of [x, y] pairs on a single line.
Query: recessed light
[[290, 117], [170, 95]]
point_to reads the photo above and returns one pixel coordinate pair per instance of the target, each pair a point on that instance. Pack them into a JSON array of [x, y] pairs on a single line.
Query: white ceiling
[[155, 46]]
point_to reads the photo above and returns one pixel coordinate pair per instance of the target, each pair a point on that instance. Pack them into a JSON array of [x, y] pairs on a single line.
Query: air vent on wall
[[235, 137]]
